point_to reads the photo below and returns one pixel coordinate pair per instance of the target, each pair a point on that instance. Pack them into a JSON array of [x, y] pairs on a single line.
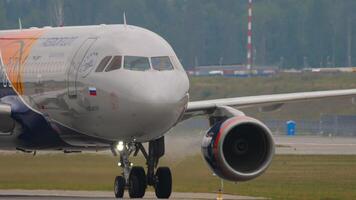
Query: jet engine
[[239, 148], [7, 124]]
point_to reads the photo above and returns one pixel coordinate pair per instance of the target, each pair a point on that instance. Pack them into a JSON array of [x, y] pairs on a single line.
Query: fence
[[336, 125]]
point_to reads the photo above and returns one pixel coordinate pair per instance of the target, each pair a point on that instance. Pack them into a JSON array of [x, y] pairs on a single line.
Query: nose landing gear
[[119, 186], [137, 182], [163, 186], [135, 179]]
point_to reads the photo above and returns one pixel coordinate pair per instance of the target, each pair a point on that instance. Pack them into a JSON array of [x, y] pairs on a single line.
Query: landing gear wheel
[[119, 186], [163, 186], [137, 182]]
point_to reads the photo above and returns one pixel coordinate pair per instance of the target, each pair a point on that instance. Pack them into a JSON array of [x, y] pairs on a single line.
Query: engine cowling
[[7, 124], [238, 149]]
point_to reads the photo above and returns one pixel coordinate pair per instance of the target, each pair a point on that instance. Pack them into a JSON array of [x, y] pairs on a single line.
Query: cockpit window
[[136, 63], [103, 64], [161, 63], [114, 64]]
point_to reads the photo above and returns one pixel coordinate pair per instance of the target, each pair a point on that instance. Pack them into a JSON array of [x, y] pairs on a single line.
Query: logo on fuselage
[[88, 63]]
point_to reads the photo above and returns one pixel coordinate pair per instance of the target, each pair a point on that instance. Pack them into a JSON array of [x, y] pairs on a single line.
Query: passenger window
[[161, 63], [103, 64], [115, 64], [136, 63]]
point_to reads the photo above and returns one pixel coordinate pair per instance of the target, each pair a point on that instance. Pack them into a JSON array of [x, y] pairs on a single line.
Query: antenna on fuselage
[[125, 19], [20, 24]]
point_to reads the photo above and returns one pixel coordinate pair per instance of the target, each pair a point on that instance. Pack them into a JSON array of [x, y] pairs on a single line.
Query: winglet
[[2, 71], [125, 19], [1, 60], [20, 24]]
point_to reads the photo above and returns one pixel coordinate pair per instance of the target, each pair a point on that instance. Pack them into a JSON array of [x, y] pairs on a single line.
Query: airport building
[[334, 125]]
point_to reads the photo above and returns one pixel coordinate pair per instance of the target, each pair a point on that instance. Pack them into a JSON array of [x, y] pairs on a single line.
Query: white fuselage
[[53, 70]]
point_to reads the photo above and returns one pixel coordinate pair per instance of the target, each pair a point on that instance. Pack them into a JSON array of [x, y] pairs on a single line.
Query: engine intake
[[239, 148]]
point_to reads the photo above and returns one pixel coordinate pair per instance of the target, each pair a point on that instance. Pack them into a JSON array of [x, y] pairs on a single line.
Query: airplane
[[118, 87]]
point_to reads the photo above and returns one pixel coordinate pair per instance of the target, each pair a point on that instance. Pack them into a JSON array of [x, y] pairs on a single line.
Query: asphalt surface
[[81, 195], [315, 145]]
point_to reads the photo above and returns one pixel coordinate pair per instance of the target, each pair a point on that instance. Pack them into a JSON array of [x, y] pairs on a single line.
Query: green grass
[[290, 176]]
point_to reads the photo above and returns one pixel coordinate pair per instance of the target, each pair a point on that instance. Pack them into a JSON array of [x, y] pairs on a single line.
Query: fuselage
[[114, 82]]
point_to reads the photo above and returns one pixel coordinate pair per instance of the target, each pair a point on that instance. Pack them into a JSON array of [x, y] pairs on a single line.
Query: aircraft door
[[78, 58]]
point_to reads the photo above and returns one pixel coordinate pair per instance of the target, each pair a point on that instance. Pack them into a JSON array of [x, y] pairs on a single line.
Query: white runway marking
[[78, 195]]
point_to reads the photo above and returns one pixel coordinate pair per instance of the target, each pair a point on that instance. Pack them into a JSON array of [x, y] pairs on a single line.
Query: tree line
[[286, 33]]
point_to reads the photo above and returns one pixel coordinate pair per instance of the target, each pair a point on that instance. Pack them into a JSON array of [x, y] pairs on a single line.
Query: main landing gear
[[134, 178]]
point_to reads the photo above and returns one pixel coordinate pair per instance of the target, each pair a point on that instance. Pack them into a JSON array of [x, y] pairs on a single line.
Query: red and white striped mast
[[249, 36]]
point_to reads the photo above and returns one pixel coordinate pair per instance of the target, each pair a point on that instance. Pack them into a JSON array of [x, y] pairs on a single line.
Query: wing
[[269, 101]]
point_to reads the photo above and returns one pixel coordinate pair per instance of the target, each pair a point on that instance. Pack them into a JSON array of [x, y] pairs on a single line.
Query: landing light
[[120, 146]]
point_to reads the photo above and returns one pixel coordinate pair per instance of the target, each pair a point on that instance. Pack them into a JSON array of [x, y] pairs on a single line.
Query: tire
[[163, 186], [137, 182], [119, 187]]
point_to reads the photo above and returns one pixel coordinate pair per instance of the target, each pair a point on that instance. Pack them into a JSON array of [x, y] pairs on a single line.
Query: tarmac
[[315, 145], [81, 195]]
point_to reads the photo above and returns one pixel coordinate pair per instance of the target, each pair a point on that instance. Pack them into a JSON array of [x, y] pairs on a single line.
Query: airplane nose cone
[[150, 107], [165, 91], [164, 102]]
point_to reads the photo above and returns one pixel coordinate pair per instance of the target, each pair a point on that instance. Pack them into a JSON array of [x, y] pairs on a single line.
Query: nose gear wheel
[[134, 179]]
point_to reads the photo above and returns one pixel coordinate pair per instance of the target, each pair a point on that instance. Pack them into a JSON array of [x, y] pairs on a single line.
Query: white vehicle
[[216, 73], [116, 87]]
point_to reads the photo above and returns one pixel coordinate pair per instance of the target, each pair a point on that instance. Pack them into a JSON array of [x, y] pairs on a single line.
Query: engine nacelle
[[238, 149], [7, 124]]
